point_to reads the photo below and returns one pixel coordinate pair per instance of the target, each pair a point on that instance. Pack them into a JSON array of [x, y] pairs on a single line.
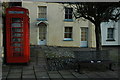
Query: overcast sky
[[64, 0]]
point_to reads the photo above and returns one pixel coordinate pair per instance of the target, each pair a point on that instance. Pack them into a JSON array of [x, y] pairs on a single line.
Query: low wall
[[92, 55]]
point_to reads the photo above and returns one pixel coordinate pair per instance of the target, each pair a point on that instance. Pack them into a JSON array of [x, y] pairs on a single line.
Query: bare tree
[[96, 12]]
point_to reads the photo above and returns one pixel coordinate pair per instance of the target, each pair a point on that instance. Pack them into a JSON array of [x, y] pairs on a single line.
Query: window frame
[[84, 33], [66, 33], [43, 32], [68, 14], [109, 38], [43, 18]]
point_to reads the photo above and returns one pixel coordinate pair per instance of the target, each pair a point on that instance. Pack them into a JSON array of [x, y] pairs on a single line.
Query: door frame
[[86, 37], [46, 32]]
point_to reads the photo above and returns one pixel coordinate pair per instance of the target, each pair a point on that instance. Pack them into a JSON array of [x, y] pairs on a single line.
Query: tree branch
[[89, 18]]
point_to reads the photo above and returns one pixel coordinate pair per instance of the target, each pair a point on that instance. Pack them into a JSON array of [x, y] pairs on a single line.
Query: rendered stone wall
[[56, 24]]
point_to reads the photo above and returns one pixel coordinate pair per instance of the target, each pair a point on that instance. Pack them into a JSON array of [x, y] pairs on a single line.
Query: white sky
[[63, 0]]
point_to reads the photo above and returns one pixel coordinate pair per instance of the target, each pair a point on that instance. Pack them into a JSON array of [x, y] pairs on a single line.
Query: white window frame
[[84, 37], [70, 38], [109, 37], [42, 12], [68, 13]]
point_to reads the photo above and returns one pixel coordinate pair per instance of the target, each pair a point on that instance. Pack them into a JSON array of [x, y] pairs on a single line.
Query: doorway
[[42, 34], [84, 37]]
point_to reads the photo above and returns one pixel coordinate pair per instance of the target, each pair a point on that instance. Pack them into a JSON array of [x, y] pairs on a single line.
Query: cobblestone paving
[[0, 62], [37, 68]]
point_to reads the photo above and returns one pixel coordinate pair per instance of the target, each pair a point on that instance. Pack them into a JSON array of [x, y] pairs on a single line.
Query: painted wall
[[56, 24], [119, 32], [104, 27], [33, 15], [92, 38]]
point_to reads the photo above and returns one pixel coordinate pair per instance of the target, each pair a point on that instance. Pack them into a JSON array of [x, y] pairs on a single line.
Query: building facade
[[110, 33], [53, 24]]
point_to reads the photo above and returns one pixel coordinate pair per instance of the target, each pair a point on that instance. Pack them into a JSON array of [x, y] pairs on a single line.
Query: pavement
[[0, 62], [37, 69]]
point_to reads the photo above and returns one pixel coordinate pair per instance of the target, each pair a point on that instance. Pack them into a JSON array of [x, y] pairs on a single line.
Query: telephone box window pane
[[16, 19], [17, 54], [17, 30], [16, 12], [16, 39], [17, 49], [17, 34], [16, 44], [16, 25]]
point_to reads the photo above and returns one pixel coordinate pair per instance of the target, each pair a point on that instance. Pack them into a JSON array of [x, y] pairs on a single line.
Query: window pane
[[16, 39], [84, 34], [82, 39], [68, 32], [17, 34], [66, 10], [17, 30], [68, 29], [42, 31], [66, 16], [17, 54], [110, 34], [17, 44], [42, 12], [17, 49], [70, 10], [16, 19], [70, 16], [68, 35], [16, 25], [68, 13]]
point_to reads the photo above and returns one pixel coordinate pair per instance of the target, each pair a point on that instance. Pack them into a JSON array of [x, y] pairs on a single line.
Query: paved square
[[38, 67]]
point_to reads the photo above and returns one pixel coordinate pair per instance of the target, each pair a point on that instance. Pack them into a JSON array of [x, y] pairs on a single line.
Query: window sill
[[68, 40], [110, 40], [41, 19], [68, 20]]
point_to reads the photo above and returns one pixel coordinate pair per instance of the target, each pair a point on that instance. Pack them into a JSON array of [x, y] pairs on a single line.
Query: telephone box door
[[17, 36]]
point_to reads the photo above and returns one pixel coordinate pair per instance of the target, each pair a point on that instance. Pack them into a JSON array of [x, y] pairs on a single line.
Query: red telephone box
[[17, 35]]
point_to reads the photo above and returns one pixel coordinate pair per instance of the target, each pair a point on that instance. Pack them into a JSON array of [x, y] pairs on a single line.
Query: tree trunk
[[98, 36]]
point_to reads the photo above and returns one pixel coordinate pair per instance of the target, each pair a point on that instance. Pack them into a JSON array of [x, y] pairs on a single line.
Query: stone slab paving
[[79, 75], [42, 75], [37, 69], [0, 62]]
